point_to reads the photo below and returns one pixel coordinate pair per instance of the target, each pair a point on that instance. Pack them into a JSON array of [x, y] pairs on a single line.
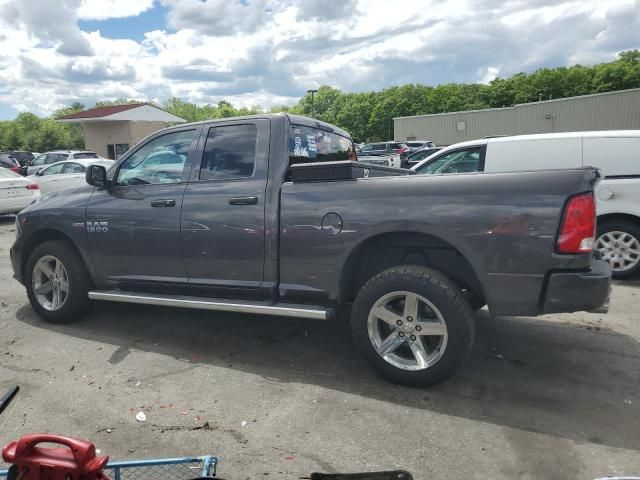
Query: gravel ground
[[552, 397]]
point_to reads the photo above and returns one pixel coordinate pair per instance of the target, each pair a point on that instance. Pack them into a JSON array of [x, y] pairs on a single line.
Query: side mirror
[[38, 173], [96, 175]]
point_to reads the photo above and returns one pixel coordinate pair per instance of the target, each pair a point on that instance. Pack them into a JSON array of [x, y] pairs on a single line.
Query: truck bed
[[503, 224]]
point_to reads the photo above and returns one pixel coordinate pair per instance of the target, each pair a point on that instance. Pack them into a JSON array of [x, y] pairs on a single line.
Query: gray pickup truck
[[220, 215]]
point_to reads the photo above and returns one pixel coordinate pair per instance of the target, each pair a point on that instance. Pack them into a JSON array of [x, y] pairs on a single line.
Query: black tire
[[443, 294], [631, 229], [76, 302]]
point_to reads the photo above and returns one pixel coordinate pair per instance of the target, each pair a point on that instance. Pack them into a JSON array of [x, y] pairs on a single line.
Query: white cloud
[[271, 51], [103, 9], [219, 17], [490, 74], [53, 22]]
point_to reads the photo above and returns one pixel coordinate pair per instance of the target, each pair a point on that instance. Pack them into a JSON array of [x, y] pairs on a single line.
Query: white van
[[615, 153]]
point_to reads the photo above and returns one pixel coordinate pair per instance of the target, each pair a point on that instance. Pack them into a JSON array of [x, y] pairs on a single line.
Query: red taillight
[[15, 169], [578, 228], [32, 186]]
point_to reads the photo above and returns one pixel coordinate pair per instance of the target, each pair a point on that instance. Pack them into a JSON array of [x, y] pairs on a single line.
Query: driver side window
[[466, 162], [160, 161], [53, 169], [459, 161]]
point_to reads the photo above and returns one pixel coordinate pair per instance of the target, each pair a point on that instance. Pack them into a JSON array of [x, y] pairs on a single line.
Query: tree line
[[368, 116]]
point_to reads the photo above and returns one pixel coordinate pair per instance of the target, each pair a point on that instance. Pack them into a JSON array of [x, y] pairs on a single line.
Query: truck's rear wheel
[[413, 324], [57, 282], [619, 244]]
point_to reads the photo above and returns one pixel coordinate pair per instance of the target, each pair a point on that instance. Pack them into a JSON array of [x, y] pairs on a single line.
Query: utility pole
[[312, 92]]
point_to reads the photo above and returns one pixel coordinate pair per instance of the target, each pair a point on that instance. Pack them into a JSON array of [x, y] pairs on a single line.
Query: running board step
[[222, 305]]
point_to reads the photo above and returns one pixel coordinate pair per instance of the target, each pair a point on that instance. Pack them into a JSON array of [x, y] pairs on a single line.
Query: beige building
[[110, 131], [601, 111]]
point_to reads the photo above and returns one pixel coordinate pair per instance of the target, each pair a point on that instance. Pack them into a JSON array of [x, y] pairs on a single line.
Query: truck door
[[134, 226], [223, 213]]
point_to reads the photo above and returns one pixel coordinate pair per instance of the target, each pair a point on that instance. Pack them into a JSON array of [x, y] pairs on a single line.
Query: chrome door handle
[[164, 203], [243, 201]]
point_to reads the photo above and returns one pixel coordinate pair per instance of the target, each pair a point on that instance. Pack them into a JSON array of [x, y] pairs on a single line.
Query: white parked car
[[16, 192], [615, 153], [67, 174], [55, 156]]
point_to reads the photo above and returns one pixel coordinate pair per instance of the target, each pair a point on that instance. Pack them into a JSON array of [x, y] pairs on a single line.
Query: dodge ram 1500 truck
[[212, 216]]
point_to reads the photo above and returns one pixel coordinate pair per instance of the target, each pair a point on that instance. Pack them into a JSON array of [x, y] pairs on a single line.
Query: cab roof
[[291, 118]]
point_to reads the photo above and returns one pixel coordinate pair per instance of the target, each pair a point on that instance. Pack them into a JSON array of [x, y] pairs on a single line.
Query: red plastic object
[[75, 461]]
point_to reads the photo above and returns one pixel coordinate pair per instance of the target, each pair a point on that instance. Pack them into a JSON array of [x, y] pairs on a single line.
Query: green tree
[[630, 56], [117, 101], [75, 107], [12, 137], [52, 136]]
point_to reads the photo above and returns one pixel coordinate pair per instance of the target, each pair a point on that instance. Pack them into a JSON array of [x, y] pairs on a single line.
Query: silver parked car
[[45, 159]]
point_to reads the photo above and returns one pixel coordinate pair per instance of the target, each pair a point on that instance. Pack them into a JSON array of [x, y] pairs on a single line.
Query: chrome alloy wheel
[[50, 283], [407, 331], [620, 249]]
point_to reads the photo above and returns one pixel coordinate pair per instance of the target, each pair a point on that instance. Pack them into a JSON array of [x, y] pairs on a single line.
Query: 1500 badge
[[98, 227]]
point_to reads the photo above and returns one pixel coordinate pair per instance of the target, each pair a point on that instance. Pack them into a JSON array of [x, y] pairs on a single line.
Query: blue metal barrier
[[183, 468]]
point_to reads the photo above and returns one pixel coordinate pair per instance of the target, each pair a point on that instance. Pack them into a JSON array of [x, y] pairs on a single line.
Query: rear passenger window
[[229, 152]]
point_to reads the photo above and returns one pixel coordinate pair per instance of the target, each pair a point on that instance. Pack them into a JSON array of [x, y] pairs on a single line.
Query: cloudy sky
[[55, 52]]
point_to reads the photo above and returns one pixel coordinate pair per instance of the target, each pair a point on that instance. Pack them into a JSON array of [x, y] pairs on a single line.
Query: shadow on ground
[[560, 379]]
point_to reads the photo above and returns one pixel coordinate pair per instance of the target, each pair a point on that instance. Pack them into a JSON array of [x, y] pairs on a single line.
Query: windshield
[[309, 144]]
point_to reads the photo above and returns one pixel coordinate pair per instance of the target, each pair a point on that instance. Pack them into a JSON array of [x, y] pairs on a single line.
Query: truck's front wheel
[[57, 282], [413, 324]]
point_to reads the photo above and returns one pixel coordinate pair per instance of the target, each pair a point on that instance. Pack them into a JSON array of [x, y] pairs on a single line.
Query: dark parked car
[[415, 145], [221, 227], [23, 157], [7, 161], [417, 156], [383, 148]]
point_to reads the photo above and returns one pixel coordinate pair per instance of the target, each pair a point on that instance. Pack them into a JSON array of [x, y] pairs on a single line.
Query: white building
[[601, 111]]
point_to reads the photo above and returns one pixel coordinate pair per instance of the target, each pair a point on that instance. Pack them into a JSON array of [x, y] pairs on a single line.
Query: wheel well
[[405, 248], [625, 217], [42, 236]]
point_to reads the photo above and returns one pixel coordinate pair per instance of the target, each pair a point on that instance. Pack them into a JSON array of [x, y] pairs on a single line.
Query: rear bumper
[[579, 291]]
